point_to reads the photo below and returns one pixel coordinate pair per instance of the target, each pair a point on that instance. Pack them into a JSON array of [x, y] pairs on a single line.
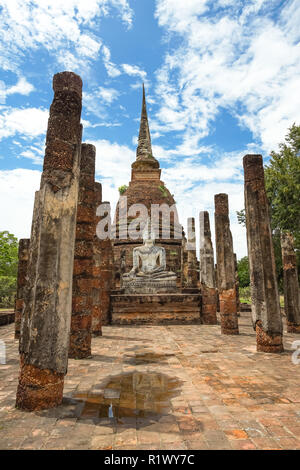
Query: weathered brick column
[[237, 286], [23, 255], [82, 302], [266, 313], [96, 310], [290, 283], [217, 286], [207, 272], [192, 263], [225, 267], [106, 275], [44, 340]]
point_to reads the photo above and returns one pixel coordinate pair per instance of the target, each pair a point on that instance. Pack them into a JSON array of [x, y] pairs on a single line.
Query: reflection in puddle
[[130, 395], [141, 358]]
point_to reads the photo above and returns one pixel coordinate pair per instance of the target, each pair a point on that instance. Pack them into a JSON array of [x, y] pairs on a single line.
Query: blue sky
[[221, 78]]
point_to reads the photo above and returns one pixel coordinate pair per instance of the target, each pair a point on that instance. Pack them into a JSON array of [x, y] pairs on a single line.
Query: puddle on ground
[[141, 358], [131, 395]]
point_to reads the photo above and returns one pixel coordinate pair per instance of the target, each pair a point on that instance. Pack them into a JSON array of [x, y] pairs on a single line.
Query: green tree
[[243, 272], [282, 179], [8, 268], [241, 217], [123, 189], [8, 254]]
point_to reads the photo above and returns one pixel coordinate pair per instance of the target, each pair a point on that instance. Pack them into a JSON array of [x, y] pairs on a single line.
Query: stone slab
[[155, 309]]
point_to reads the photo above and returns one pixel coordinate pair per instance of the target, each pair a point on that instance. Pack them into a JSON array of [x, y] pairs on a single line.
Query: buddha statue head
[[148, 234]]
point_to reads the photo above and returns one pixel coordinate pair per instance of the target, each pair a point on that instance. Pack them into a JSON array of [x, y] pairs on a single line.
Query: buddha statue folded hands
[[149, 271]]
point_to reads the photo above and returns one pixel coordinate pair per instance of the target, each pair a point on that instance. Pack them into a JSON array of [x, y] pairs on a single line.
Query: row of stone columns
[[266, 312], [59, 278]]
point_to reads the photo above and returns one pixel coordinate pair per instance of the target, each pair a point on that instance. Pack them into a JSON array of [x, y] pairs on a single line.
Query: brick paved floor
[[163, 387]]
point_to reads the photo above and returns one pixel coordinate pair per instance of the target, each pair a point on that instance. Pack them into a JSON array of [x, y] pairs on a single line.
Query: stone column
[[266, 313], [97, 310], [192, 263], [225, 267], [237, 286], [106, 275], [290, 283], [81, 320], [44, 340], [23, 255], [217, 286], [207, 272]]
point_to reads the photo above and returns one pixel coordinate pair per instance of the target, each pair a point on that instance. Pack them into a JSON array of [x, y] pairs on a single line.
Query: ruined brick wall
[[82, 303], [225, 266], [23, 255], [290, 283]]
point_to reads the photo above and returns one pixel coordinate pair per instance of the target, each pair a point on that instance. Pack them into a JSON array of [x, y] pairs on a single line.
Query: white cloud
[[134, 70], [111, 69], [22, 87], [17, 189], [35, 153], [113, 167], [28, 122], [229, 58], [108, 95], [70, 27]]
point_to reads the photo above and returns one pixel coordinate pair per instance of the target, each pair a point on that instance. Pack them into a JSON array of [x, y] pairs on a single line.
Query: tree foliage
[[8, 254], [8, 268], [243, 271], [123, 189], [282, 179]]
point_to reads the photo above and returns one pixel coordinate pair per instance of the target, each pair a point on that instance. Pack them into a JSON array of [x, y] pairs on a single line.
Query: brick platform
[[155, 309], [6, 317], [224, 394]]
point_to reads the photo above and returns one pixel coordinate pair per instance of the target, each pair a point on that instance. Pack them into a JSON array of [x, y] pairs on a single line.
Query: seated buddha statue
[[149, 262]]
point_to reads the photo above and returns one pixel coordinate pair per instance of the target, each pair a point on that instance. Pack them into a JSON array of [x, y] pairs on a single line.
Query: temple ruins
[[84, 267]]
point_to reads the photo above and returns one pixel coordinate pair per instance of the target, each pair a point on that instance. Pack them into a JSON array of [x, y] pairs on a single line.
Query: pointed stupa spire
[[144, 148]]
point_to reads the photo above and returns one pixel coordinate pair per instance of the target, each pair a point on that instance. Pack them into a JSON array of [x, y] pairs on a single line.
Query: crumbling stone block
[[290, 283], [83, 276], [192, 262], [265, 308], [23, 255], [207, 272], [225, 267], [106, 274], [44, 340], [96, 308], [237, 286]]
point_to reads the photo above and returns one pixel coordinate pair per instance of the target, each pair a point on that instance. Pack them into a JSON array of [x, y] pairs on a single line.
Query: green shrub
[[123, 189], [8, 287], [245, 294]]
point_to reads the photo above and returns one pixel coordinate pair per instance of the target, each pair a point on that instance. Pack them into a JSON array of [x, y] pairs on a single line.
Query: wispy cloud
[[65, 29], [28, 122], [22, 87], [229, 57]]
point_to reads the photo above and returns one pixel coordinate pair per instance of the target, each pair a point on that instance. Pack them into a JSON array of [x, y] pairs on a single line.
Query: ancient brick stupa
[[146, 188], [163, 298]]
